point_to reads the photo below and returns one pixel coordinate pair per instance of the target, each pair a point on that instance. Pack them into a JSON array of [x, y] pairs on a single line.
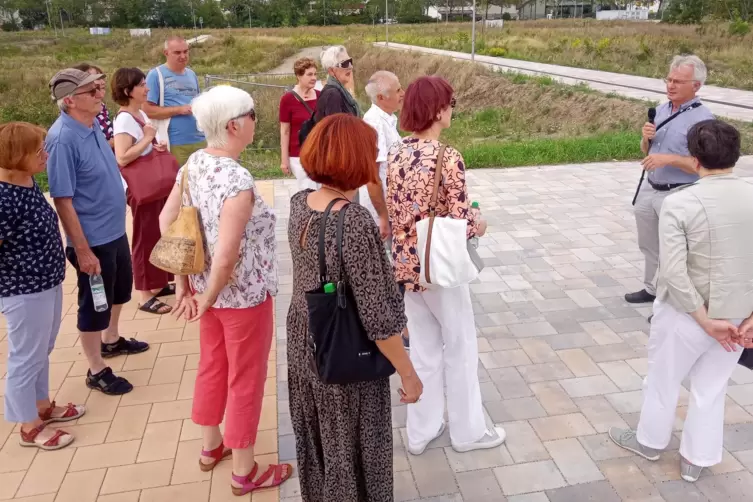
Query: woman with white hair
[[232, 297], [337, 95]]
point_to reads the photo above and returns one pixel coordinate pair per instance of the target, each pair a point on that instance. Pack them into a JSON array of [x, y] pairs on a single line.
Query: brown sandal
[[217, 454], [248, 484], [59, 440], [71, 412]]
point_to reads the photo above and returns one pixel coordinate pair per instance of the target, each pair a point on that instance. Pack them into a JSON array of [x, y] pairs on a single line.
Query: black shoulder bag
[[341, 351], [746, 359], [309, 124]]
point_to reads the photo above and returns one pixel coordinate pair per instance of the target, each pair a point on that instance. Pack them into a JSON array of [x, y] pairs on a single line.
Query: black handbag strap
[[303, 102], [672, 117], [322, 230]]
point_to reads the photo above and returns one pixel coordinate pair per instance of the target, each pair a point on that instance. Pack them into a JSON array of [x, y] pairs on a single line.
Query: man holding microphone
[[668, 164]]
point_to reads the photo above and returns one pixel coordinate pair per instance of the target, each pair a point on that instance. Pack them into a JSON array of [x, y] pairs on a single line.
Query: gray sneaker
[[492, 438], [626, 438], [689, 472]]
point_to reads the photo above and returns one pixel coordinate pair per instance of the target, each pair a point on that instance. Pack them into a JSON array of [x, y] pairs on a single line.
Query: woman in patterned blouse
[[440, 321], [103, 119]]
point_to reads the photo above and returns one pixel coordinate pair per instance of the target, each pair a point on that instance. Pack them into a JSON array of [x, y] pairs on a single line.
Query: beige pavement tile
[[105, 455], [270, 387], [562, 427], [179, 348], [137, 477], [268, 419], [266, 442], [66, 341], [193, 492], [171, 322], [504, 359], [81, 486], [14, 457], [150, 394], [190, 431], [168, 370], [138, 378], [187, 383], [579, 362], [191, 332], [192, 362], [73, 390], [553, 398], [601, 333], [49, 497], [171, 410], [99, 408], [600, 413], [531, 477], [220, 491], [143, 361], [573, 461], [51, 467], [480, 459], [80, 368], [87, 434], [9, 483], [160, 441], [728, 464], [139, 325], [538, 350], [161, 336], [186, 469], [523, 443], [58, 373], [121, 497], [129, 423], [628, 481], [589, 386], [622, 375]]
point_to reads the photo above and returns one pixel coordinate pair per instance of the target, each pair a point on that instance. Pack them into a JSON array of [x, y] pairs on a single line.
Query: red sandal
[[70, 412], [217, 454], [59, 440], [248, 484]]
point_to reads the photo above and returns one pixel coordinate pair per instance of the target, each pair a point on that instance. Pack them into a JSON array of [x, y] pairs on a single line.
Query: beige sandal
[[70, 412], [59, 439]]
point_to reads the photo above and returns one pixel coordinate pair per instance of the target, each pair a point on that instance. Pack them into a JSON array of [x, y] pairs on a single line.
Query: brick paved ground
[[562, 360]]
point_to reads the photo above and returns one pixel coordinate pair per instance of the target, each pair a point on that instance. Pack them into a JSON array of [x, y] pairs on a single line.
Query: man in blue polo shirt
[[87, 190], [180, 86]]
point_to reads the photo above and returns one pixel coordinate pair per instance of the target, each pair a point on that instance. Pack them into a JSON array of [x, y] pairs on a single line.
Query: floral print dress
[[410, 185]]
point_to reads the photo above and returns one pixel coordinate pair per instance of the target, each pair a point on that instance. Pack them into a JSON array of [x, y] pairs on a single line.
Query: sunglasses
[[91, 92], [348, 63], [250, 114], [453, 102]]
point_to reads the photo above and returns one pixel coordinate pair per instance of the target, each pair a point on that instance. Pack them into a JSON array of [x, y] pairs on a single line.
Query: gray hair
[[62, 105], [173, 38], [379, 83], [699, 67], [329, 57], [215, 108]]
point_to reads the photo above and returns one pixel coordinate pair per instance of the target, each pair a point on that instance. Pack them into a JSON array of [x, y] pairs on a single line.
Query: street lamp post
[[386, 23], [473, 32]]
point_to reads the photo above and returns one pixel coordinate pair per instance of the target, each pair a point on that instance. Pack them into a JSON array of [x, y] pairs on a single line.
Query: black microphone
[[651, 115]]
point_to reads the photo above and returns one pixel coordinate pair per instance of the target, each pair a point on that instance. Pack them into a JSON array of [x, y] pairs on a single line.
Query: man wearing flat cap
[[87, 190]]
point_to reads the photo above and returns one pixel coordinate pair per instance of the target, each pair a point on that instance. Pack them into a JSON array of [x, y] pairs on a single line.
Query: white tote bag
[[443, 244], [164, 124]]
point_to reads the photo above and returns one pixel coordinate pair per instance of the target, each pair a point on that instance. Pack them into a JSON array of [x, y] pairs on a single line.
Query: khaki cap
[[65, 82]]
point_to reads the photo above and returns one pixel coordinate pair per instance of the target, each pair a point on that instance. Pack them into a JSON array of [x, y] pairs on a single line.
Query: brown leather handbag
[[150, 177]]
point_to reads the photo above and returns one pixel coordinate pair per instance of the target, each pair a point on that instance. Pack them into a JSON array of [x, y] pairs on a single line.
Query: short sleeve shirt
[[294, 113], [31, 255], [673, 139], [211, 181], [180, 90], [125, 124], [82, 166]]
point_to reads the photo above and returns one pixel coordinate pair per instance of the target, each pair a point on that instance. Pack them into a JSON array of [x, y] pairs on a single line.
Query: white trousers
[[304, 182], [678, 347], [443, 348]]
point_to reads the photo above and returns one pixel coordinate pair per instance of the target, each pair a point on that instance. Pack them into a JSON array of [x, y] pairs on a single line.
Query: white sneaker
[[418, 450], [491, 439]]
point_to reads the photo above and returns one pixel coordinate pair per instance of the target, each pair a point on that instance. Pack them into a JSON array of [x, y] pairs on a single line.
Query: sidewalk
[[730, 103]]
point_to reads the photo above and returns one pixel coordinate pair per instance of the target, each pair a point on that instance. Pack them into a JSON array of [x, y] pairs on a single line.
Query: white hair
[[329, 57], [62, 105], [379, 83], [699, 67], [216, 107]]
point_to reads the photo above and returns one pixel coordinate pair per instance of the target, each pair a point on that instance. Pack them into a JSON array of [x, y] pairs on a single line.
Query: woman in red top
[[293, 113]]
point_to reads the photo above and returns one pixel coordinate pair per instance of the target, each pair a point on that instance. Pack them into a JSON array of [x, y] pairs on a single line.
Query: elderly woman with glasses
[[444, 348], [337, 96], [232, 297]]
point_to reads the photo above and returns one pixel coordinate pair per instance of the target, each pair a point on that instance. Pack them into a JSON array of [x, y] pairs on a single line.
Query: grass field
[[500, 120]]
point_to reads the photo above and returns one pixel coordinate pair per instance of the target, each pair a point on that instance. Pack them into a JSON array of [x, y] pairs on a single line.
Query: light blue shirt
[[180, 89], [673, 139], [82, 166]]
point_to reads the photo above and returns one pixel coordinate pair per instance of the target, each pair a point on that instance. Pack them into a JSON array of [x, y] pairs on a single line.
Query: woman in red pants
[[134, 136]]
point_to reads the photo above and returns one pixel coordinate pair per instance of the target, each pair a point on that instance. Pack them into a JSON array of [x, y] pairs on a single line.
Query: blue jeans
[[33, 325]]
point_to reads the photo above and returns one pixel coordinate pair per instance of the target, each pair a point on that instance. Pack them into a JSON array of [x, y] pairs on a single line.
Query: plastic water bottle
[[474, 240], [473, 246], [97, 286]]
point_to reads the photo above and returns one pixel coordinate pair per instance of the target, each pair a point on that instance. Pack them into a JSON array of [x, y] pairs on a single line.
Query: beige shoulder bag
[[180, 250]]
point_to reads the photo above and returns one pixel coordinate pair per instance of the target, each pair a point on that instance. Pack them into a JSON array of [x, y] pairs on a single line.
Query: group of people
[[696, 239]]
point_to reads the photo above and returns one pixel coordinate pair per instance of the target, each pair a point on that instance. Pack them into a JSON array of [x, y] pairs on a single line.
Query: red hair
[[341, 152], [425, 98], [19, 143]]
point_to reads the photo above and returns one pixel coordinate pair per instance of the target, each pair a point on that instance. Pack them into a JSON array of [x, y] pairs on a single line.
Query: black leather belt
[[665, 187]]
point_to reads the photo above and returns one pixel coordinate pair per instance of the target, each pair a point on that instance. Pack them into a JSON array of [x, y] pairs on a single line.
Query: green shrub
[[497, 52], [738, 27], [506, 16]]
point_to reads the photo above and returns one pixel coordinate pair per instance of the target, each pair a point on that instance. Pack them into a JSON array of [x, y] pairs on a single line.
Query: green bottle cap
[[474, 205], [329, 288]]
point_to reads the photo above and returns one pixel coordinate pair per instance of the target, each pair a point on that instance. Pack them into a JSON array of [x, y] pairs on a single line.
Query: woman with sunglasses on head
[[135, 138], [444, 348], [337, 96], [103, 119], [232, 298]]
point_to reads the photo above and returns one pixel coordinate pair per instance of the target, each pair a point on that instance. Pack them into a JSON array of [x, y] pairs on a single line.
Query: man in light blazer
[[705, 292]]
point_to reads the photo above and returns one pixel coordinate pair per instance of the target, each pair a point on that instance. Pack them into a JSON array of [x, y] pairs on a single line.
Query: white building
[[442, 12]]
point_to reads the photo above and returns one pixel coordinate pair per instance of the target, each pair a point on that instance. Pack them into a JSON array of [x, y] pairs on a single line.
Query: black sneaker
[[107, 383], [123, 347], [641, 296]]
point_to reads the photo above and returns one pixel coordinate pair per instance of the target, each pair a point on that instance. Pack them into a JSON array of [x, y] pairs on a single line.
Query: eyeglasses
[[250, 114], [91, 92], [348, 63], [453, 102], [677, 82]]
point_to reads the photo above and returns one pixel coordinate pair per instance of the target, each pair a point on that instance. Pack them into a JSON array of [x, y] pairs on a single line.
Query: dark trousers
[[146, 233]]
